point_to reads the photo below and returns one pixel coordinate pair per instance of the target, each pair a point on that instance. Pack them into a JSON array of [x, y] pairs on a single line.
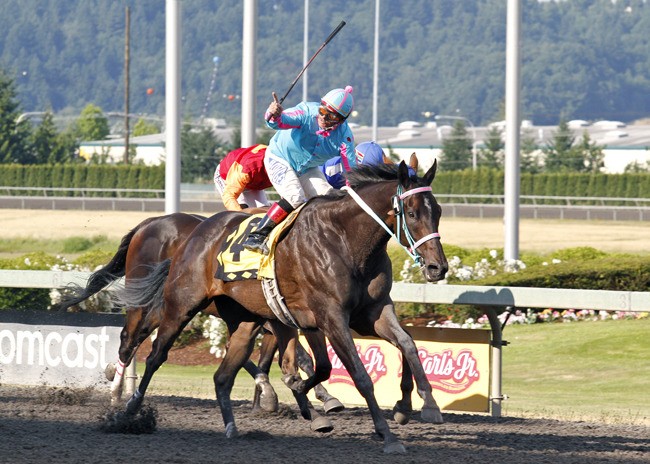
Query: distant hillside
[[582, 59]]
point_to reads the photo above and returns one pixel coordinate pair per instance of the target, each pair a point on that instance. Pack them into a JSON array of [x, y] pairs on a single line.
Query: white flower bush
[[214, 329], [99, 302], [491, 265]]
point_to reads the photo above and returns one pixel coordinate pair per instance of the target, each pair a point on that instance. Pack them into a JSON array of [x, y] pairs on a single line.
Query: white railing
[[81, 192], [523, 297], [488, 297], [201, 191]]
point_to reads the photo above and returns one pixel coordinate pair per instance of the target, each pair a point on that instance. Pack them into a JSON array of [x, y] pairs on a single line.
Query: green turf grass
[[579, 371]]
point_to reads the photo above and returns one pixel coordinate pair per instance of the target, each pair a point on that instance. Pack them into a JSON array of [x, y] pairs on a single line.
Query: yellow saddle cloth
[[238, 263]]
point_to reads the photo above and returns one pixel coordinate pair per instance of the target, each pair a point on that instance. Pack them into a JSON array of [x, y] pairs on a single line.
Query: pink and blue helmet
[[339, 101]]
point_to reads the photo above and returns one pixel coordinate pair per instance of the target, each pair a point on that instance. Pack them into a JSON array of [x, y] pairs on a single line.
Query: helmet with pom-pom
[[339, 101]]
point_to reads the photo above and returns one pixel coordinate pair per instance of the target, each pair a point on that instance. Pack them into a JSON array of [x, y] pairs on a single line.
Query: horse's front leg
[[341, 339], [387, 327], [287, 338]]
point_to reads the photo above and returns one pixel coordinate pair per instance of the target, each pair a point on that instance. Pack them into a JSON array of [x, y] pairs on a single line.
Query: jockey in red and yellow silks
[[241, 178]]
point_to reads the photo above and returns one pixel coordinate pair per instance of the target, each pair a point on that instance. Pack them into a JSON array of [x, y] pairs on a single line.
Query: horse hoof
[[332, 405], [322, 425], [432, 415], [109, 372], [394, 448], [133, 405], [269, 403], [401, 417], [231, 430]]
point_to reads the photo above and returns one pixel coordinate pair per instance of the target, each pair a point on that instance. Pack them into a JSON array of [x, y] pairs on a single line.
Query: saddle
[[237, 263]]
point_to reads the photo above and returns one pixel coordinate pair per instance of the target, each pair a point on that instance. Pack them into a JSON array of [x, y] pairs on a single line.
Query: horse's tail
[[101, 278], [144, 292]]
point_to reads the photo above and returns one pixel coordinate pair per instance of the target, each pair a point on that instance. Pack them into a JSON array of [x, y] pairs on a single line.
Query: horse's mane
[[364, 175]]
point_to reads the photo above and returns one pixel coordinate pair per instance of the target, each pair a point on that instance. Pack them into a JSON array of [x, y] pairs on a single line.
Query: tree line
[[581, 59], [565, 152], [23, 143]]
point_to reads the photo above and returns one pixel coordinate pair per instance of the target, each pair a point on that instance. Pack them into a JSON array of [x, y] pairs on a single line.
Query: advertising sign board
[[57, 349], [456, 362]]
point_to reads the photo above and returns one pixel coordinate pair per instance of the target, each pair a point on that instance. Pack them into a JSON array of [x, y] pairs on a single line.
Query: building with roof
[[622, 144], [149, 149]]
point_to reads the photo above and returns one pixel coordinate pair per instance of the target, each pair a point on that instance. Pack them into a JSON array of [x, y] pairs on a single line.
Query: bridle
[[397, 201]]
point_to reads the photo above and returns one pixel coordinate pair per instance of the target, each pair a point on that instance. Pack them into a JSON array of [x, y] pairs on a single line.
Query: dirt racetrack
[[39, 425]]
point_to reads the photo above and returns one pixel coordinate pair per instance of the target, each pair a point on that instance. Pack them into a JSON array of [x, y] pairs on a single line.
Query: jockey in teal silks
[[307, 135]]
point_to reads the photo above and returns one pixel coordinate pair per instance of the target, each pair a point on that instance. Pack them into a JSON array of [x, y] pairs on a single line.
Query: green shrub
[[626, 274], [93, 259], [27, 298], [578, 253], [76, 244]]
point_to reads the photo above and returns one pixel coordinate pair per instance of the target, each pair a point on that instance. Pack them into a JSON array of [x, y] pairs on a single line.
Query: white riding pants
[[293, 188]]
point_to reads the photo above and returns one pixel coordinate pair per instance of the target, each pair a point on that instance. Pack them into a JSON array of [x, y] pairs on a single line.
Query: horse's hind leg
[[242, 340], [126, 352], [139, 325], [265, 397], [167, 334]]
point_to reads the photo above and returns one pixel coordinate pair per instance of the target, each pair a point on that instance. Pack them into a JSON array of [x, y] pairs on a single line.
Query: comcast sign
[[57, 349]]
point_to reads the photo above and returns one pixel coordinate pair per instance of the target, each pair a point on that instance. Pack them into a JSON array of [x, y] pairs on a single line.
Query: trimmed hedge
[[607, 273], [490, 182], [479, 182], [83, 176]]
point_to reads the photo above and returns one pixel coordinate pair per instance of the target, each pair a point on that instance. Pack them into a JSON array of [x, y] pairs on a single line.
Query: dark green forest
[[582, 59]]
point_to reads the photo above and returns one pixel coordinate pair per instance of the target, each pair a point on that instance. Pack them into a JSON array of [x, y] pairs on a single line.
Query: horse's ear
[[387, 159], [431, 173], [403, 174], [413, 162]]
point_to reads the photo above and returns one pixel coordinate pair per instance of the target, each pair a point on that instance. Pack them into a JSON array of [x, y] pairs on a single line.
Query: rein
[[398, 207]]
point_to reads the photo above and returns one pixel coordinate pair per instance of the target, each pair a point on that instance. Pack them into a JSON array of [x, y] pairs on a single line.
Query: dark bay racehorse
[[333, 272], [150, 242]]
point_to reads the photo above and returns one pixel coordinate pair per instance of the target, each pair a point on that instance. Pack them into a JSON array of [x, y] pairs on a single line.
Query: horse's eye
[[411, 214]]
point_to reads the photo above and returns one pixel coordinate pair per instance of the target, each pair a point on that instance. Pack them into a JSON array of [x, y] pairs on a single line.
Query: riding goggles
[[329, 115]]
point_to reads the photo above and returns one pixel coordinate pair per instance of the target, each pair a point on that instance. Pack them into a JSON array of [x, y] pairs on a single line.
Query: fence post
[[130, 377], [496, 395]]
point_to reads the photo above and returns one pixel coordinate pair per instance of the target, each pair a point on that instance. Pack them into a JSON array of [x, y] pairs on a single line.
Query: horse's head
[[420, 216]]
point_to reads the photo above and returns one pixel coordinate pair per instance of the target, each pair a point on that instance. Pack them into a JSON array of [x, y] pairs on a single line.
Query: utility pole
[[126, 85]]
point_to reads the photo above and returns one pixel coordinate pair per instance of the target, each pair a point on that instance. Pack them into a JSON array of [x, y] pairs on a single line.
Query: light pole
[[463, 118], [375, 77], [305, 51]]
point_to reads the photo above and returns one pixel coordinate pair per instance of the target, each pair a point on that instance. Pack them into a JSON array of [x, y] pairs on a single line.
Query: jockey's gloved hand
[[275, 108]]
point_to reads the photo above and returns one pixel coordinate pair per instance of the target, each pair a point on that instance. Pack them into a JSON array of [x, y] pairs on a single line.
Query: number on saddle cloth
[[237, 263]]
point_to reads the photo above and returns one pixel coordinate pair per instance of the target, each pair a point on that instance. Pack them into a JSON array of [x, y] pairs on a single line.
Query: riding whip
[[331, 36]]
